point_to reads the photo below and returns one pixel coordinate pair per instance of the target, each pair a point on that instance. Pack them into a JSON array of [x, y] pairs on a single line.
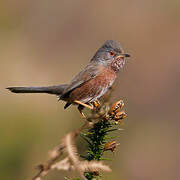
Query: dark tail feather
[[67, 105], [58, 90]]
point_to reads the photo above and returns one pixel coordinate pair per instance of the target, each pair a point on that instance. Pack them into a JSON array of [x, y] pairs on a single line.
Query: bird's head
[[111, 53]]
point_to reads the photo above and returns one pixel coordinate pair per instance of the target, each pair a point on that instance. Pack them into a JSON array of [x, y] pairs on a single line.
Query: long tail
[[58, 90]]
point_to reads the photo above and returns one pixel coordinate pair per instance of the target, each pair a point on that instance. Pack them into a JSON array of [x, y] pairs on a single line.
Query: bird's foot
[[96, 105]]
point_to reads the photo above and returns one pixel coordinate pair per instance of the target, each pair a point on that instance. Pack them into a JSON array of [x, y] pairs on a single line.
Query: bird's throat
[[117, 64]]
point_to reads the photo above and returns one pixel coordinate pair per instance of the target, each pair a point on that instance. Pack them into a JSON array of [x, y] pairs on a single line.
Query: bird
[[90, 84]]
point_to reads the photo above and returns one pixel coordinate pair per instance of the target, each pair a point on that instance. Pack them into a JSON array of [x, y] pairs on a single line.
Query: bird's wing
[[88, 73]]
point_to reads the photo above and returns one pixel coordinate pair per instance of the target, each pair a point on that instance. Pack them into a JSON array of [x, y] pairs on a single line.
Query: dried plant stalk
[[95, 131]]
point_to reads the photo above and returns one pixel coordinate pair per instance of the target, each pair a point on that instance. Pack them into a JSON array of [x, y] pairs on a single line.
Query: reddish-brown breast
[[94, 88]]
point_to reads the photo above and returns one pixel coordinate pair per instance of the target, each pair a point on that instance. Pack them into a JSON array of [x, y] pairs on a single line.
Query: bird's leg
[[87, 123], [83, 104], [80, 108]]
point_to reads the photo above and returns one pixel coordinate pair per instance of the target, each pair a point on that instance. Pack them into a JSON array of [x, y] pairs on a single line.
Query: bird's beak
[[123, 55], [126, 55]]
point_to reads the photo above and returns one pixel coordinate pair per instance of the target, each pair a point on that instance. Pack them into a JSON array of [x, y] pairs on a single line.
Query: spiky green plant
[[98, 137]]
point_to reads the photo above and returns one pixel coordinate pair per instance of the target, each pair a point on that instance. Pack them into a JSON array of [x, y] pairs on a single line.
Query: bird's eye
[[111, 53]]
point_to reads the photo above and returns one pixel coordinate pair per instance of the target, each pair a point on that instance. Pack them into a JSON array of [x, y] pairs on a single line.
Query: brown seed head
[[120, 115], [111, 146], [115, 108]]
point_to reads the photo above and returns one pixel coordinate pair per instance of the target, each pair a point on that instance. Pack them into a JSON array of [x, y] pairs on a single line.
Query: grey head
[[109, 51]]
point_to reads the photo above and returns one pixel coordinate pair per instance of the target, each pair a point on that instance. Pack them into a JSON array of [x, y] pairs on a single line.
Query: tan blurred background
[[47, 42]]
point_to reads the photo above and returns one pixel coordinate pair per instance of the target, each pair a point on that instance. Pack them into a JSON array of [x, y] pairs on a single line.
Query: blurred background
[[48, 42]]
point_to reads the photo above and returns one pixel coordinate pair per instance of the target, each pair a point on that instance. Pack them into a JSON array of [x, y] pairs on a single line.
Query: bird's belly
[[94, 88]]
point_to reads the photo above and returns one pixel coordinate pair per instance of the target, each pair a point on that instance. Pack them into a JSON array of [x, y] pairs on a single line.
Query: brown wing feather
[[89, 72]]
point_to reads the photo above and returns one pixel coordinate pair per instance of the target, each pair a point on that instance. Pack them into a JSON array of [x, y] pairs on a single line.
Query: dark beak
[[126, 55], [123, 55]]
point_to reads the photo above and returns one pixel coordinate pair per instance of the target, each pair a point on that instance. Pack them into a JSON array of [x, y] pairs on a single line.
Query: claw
[[96, 104]]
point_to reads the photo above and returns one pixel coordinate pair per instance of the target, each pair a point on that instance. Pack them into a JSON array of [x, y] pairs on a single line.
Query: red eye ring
[[111, 53]]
